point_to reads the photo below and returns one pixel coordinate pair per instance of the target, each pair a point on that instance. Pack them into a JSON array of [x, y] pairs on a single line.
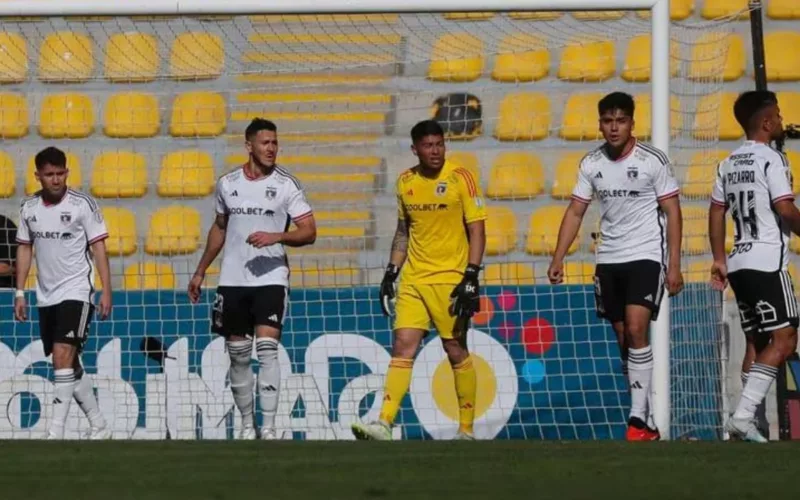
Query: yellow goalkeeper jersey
[[437, 211]]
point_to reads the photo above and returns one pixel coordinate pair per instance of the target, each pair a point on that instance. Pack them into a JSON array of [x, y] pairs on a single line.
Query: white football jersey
[[266, 204], [748, 182], [632, 225], [61, 235]]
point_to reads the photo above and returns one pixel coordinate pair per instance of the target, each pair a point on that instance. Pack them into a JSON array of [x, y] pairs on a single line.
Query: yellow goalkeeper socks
[[466, 392], [398, 378]]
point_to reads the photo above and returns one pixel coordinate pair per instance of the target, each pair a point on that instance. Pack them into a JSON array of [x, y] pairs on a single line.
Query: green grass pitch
[[495, 470]]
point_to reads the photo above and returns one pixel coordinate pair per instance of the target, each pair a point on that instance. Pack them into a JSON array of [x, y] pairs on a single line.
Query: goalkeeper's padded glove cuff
[[392, 272], [472, 271]]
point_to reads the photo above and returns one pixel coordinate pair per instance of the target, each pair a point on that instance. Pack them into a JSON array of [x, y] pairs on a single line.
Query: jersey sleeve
[[664, 181], [718, 190], [778, 175], [23, 231], [93, 223], [583, 189], [471, 197], [298, 207], [219, 201]]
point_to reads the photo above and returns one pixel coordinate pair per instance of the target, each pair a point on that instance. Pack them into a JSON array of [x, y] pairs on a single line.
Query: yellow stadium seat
[[543, 231], [715, 9], [782, 62], [187, 173], [509, 274], [468, 16], [587, 60], [173, 230], [643, 116], [698, 271], [521, 58], [794, 163], [715, 118], [8, 176], [119, 174], [717, 52], [132, 115], [679, 10], [637, 59], [516, 176], [467, 160], [14, 61], [794, 244], [501, 230], [149, 276], [783, 9], [524, 116], [196, 56], [325, 277], [535, 16], [578, 273], [566, 174], [701, 174], [13, 116], [198, 114], [580, 121], [456, 57], [729, 233], [121, 224], [66, 116], [131, 57], [790, 106], [695, 230], [66, 57], [74, 178], [598, 15]]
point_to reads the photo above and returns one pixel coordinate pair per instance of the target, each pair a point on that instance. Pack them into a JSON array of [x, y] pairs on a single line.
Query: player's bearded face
[[775, 121], [616, 127], [263, 148], [431, 151], [53, 179]]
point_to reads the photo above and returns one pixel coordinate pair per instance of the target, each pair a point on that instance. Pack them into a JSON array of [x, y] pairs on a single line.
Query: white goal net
[[152, 110]]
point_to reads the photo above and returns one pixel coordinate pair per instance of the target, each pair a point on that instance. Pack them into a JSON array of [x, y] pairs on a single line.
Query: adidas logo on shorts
[[649, 297], [274, 317]]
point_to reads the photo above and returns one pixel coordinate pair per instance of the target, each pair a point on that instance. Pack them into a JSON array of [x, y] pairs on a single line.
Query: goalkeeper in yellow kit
[[440, 238]]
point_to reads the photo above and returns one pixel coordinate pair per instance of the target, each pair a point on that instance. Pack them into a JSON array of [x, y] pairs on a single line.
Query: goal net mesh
[[151, 110]]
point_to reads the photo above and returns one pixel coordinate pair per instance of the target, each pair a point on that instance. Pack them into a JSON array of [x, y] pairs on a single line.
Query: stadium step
[[308, 80], [340, 19], [337, 39]]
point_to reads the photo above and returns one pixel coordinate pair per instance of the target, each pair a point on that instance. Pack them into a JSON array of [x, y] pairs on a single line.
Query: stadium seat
[[794, 162], [790, 106], [679, 10], [173, 230], [695, 230], [131, 57], [196, 56], [715, 118], [521, 57], [66, 116], [783, 9], [509, 274], [467, 160], [14, 119], [501, 230], [149, 276], [598, 15], [637, 59], [717, 52], [578, 273], [66, 57], [468, 16], [187, 173], [643, 112], [782, 62], [516, 176], [198, 114], [325, 277], [701, 174], [580, 122], [543, 231], [587, 61], [524, 116], [121, 224], [456, 57], [698, 271], [8, 176], [119, 174], [566, 174], [132, 115], [74, 178], [535, 16], [14, 64], [715, 9]]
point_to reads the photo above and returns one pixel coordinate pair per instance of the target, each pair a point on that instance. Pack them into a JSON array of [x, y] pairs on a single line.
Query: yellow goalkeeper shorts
[[418, 306]]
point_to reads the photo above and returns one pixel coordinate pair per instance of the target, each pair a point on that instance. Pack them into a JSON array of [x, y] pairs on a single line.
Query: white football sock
[[84, 396], [241, 376], [269, 380], [640, 372], [758, 383], [64, 387]]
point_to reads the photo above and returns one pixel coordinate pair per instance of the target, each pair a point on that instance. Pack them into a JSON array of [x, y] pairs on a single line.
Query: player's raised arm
[[570, 225]]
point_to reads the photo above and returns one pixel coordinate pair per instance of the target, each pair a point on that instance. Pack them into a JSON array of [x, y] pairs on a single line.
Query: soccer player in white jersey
[[640, 242], [255, 205], [754, 184], [62, 229]]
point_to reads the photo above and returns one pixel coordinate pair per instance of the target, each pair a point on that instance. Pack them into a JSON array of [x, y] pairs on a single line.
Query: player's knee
[[63, 355], [406, 342], [636, 335]]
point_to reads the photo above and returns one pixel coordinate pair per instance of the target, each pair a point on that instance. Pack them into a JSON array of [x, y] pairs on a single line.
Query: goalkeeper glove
[[466, 295], [387, 288]]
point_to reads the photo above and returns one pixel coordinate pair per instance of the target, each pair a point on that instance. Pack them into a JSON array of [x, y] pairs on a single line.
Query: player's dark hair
[[257, 125], [426, 127], [616, 100], [749, 105], [50, 156]]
